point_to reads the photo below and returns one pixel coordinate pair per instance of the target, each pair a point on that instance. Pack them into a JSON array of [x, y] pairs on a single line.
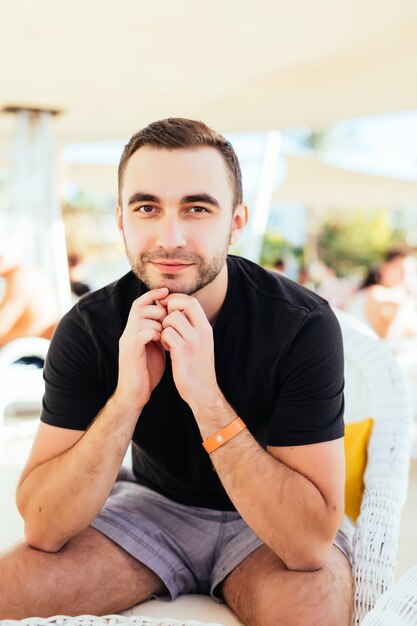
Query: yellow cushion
[[356, 450]]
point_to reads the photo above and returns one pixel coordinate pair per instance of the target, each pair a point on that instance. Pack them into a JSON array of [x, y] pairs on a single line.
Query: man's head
[[392, 269], [178, 133], [180, 204]]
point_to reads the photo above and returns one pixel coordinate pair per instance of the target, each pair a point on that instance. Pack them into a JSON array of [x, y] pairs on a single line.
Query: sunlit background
[[318, 99]]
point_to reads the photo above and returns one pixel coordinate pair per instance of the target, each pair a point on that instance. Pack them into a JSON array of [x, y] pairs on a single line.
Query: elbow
[[20, 502], [305, 564], [310, 559], [42, 542]]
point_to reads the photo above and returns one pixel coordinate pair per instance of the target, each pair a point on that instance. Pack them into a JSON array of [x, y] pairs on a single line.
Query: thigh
[[263, 592], [89, 575]]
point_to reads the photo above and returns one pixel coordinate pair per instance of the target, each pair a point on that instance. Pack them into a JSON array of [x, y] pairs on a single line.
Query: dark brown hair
[[175, 133]]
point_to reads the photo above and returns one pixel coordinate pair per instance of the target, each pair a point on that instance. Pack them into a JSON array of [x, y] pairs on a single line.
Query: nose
[[171, 233]]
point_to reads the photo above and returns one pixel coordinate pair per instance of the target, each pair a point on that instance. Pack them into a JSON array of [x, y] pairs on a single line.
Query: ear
[[239, 221], [119, 217]]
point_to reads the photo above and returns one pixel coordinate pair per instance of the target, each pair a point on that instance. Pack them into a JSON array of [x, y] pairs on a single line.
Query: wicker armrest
[[398, 606], [106, 620], [376, 387]]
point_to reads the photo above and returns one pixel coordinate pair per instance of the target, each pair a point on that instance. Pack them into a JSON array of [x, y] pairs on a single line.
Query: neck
[[212, 296]]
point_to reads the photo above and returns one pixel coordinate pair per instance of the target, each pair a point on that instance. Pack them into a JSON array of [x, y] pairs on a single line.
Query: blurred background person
[[77, 274], [383, 300], [324, 281], [28, 302], [279, 266]]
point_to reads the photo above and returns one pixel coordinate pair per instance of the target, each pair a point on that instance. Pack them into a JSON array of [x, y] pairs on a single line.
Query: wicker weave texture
[[376, 387], [398, 606], [106, 620]]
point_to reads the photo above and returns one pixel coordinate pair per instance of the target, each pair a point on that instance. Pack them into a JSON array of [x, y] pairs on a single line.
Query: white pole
[[36, 218], [252, 244]]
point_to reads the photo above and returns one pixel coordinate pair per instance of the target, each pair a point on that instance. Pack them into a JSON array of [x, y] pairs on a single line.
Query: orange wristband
[[222, 436]]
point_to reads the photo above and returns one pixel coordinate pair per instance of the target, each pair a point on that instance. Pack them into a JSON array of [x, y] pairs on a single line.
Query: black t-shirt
[[279, 364]]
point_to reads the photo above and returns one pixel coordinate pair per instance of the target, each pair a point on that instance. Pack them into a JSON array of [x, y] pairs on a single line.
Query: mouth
[[170, 267]]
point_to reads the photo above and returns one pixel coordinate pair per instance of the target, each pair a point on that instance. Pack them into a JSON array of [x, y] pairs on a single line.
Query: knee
[[329, 603], [278, 614]]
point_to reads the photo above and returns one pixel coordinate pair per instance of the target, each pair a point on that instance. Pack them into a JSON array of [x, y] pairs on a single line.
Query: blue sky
[[385, 145]]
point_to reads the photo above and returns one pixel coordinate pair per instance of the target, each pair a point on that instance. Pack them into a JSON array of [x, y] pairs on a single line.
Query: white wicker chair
[[398, 606], [22, 386], [107, 620], [375, 386]]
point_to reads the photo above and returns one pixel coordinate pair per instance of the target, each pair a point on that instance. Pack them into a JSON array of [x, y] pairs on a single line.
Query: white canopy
[[111, 67], [308, 180], [317, 184]]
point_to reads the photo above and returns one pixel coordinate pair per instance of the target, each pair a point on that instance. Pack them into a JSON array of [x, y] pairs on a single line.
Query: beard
[[206, 269]]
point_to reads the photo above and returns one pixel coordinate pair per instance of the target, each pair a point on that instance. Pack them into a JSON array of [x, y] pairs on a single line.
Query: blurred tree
[[274, 245], [86, 218], [353, 242]]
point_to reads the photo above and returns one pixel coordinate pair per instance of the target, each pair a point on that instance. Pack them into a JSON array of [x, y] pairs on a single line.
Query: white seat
[[107, 620], [22, 386]]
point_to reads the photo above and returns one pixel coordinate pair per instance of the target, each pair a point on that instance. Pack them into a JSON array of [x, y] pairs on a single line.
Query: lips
[[171, 266]]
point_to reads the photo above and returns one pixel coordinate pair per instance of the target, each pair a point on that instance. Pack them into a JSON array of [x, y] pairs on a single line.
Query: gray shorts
[[192, 549]]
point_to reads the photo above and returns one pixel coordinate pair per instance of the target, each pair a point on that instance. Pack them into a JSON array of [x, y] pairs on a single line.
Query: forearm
[[60, 497], [11, 310], [283, 507]]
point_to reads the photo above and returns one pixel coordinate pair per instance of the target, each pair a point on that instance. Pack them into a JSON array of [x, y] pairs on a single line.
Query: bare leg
[[262, 592], [89, 575]]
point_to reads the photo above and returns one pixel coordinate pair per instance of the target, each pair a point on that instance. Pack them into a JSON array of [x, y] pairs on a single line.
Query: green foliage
[[355, 241], [274, 246]]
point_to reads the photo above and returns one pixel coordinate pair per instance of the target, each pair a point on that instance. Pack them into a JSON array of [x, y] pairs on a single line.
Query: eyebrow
[[205, 198], [190, 199], [142, 197]]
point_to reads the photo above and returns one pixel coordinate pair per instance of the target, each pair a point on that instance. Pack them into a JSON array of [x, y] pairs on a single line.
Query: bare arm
[[59, 496], [292, 497], [70, 474], [380, 311]]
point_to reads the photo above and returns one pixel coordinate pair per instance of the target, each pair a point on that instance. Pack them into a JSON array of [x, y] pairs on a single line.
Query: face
[[393, 272], [177, 218]]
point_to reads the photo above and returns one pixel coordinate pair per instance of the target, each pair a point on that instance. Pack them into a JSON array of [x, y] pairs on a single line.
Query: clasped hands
[[175, 322]]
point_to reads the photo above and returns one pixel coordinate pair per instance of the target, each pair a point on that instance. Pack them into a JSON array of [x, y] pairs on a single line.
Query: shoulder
[[272, 288], [106, 309], [113, 297], [275, 309]]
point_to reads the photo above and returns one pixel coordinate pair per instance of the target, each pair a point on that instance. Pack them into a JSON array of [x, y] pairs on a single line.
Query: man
[[170, 356], [29, 306]]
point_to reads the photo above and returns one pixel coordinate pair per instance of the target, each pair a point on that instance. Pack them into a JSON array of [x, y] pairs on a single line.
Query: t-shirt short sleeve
[[309, 406], [73, 392]]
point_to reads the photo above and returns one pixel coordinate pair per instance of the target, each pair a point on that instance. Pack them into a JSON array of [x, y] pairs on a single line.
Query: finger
[[172, 339], [153, 312], [141, 324], [189, 305], [146, 323], [147, 335], [154, 295], [146, 299], [179, 322]]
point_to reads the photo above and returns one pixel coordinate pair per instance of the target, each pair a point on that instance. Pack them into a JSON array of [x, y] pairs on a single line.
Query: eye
[[198, 209], [145, 208]]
